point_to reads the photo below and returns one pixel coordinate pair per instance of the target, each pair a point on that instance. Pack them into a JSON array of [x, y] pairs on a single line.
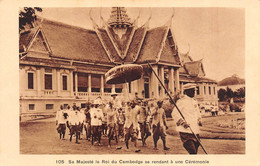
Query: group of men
[[126, 121]]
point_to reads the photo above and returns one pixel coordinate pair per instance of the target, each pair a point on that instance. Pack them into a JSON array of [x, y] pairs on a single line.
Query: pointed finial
[[146, 24], [169, 22], [137, 18], [95, 25]]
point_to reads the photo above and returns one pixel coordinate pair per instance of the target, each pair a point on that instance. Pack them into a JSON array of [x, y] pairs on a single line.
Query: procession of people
[[129, 121]]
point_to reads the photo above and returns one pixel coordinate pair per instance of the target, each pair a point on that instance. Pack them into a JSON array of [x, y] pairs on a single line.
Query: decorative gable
[[121, 43], [38, 46], [169, 51]]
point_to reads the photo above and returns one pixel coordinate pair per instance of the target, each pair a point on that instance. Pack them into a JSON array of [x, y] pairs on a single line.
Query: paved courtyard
[[41, 137]]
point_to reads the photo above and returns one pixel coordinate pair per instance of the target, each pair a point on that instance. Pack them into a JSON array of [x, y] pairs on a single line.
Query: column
[[201, 89], [76, 84], [113, 88], [38, 76], [206, 89], [177, 79], [171, 80], [161, 76], [125, 90], [22, 77], [154, 83], [181, 88], [102, 85], [89, 84], [140, 86], [71, 83], [58, 82], [134, 87]]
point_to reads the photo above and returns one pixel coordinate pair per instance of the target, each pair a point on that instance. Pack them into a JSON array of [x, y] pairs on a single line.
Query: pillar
[[89, 84], [113, 88], [181, 88], [71, 83], [58, 82], [161, 76], [177, 79], [38, 76], [125, 90], [102, 85], [171, 80], [76, 83], [22, 77], [154, 83], [201, 89]]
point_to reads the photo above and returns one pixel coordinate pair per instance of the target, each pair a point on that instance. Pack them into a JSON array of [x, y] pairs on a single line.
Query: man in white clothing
[[61, 118], [190, 110], [74, 121], [97, 116]]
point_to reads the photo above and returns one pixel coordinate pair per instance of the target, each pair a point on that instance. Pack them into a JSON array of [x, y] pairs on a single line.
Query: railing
[[81, 94], [96, 94], [48, 92]]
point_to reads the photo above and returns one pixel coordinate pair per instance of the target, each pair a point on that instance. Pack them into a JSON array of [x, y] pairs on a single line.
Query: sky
[[216, 35]]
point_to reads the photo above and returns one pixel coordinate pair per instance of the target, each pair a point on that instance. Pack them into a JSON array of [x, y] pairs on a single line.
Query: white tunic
[[60, 118], [190, 110], [97, 116], [74, 117]]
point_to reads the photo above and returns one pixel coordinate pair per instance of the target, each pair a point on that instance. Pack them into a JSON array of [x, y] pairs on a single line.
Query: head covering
[[189, 86]]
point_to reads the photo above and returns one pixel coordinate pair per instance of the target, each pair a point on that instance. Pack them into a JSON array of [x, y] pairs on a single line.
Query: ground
[[41, 137]]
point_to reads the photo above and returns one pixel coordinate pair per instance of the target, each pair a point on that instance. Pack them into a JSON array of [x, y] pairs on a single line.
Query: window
[[95, 89], [48, 81], [64, 83], [30, 80], [118, 90], [49, 106], [31, 107], [204, 90], [107, 90], [214, 90], [129, 84], [209, 90], [198, 90]]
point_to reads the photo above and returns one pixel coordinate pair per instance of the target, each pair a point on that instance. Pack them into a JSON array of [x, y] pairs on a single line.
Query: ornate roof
[[104, 45]]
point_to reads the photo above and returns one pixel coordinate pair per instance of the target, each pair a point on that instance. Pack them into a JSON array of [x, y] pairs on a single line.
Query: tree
[[27, 16], [230, 93], [222, 94]]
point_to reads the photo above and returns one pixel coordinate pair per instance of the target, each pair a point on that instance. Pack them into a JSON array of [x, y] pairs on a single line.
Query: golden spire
[[119, 18]]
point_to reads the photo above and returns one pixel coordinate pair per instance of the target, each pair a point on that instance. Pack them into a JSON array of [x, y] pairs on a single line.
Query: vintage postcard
[[127, 83]]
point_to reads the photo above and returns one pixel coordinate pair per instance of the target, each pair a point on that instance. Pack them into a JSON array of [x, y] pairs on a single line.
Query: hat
[[189, 86], [114, 94]]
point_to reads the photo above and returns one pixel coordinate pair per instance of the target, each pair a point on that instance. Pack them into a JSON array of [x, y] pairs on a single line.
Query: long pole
[[176, 107]]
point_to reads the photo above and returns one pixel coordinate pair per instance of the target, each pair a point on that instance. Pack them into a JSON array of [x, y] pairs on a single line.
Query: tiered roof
[[103, 45]]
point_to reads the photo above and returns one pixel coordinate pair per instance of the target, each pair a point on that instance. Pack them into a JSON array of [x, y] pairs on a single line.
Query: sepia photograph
[[132, 80]]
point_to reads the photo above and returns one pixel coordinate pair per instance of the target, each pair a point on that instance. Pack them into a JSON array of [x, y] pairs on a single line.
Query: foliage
[[27, 16], [227, 94]]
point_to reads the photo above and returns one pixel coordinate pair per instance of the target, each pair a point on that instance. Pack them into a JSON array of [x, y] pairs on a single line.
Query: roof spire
[[169, 22], [119, 18], [147, 23], [95, 25]]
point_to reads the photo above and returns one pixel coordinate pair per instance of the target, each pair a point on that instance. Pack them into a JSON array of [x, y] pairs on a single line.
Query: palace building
[[62, 64]]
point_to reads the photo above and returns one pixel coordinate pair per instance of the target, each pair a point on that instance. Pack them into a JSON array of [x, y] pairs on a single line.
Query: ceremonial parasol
[[124, 73]]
